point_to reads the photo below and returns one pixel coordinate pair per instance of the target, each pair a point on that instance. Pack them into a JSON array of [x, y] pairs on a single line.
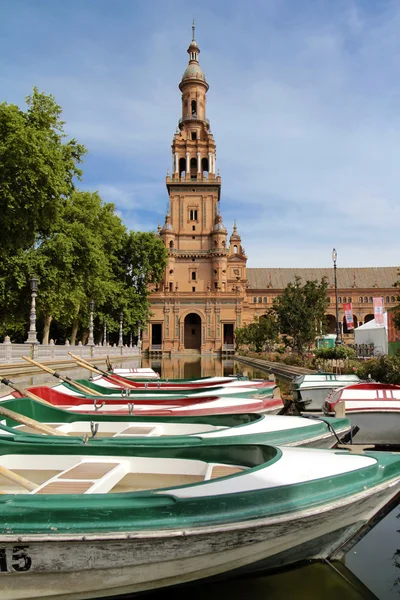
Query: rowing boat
[[169, 405], [373, 407], [76, 523], [218, 429]]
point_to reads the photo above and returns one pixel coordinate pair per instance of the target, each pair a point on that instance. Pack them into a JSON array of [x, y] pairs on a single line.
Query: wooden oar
[[23, 392], [25, 483], [120, 382], [78, 386], [24, 420]]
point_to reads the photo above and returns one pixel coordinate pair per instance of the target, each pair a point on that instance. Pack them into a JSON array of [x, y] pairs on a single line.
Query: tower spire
[[193, 29]]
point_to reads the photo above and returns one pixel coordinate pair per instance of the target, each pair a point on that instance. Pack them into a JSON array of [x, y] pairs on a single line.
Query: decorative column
[[176, 169], [338, 328], [187, 165], [121, 319], [90, 339], [32, 316], [198, 164]]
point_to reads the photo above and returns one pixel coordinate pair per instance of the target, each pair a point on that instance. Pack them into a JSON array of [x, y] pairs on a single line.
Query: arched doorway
[[368, 318], [192, 332], [331, 323]]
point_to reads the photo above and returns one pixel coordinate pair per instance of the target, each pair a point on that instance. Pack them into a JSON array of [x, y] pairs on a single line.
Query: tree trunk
[[46, 329], [74, 331]]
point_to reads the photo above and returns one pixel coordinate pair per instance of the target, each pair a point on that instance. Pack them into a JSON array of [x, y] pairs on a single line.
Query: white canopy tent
[[371, 333]]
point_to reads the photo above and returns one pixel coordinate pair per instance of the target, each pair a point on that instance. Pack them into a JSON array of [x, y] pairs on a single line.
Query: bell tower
[[194, 190], [200, 301]]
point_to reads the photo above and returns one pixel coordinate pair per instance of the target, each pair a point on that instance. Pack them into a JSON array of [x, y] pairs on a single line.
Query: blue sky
[[304, 104]]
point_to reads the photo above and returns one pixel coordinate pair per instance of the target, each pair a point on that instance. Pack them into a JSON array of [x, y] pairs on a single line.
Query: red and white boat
[[373, 407], [114, 381], [206, 405]]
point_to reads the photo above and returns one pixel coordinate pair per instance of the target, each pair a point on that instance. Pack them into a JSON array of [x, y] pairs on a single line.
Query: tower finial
[[193, 28]]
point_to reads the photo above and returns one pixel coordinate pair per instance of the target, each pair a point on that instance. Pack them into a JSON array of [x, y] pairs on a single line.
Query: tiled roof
[[357, 277]]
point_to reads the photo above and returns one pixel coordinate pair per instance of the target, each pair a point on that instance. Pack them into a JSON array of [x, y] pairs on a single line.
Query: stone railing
[[10, 353]]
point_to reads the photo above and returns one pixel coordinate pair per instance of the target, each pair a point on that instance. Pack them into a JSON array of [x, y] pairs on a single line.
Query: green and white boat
[[77, 523], [109, 431], [310, 391]]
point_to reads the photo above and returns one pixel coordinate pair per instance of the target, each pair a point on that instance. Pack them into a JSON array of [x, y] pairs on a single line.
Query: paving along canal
[[372, 567]]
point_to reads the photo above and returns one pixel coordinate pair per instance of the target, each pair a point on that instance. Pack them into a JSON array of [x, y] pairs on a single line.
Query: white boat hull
[[76, 567], [376, 427]]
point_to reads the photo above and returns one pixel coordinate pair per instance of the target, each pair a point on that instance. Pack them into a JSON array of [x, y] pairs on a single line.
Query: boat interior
[[125, 429], [71, 474]]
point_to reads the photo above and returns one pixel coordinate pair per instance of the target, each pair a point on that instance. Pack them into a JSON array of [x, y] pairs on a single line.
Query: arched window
[[361, 299], [171, 271], [265, 300], [235, 249], [349, 299], [365, 298], [393, 299], [387, 299], [339, 299], [182, 167], [193, 275], [193, 168], [254, 300], [216, 243], [194, 108], [171, 244], [371, 299], [204, 166], [260, 301]]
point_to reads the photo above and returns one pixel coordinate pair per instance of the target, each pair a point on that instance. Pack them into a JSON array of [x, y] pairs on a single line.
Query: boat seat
[[88, 470], [82, 477], [65, 487], [214, 471], [132, 430]]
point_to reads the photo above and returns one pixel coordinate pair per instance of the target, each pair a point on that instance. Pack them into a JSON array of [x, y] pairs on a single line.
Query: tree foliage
[[260, 334], [300, 312], [37, 171], [73, 241]]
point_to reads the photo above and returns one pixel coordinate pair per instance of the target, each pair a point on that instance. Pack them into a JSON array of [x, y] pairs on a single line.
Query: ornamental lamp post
[[121, 319], [105, 333], [32, 339], [90, 340], [338, 340]]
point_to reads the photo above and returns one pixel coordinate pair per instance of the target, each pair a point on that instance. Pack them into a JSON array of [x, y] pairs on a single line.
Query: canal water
[[370, 570]]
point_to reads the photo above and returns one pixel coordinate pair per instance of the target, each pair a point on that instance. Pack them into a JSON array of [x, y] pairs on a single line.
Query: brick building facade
[[207, 290]]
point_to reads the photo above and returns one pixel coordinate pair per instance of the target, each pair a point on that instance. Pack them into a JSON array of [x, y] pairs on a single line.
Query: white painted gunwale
[[264, 425]]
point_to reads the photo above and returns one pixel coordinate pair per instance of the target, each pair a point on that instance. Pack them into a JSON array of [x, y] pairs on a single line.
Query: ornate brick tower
[[198, 304]]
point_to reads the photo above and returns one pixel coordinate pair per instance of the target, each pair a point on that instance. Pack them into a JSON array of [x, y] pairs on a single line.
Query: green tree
[[259, 334], [300, 312], [37, 171], [396, 317], [80, 262], [143, 263]]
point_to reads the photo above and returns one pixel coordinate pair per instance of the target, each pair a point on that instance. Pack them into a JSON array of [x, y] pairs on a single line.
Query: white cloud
[[303, 106]]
